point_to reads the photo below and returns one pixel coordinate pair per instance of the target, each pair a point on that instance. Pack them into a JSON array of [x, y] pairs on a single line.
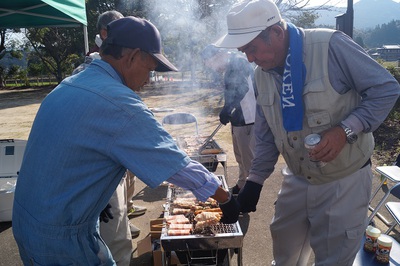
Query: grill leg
[[166, 256], [239, 257]]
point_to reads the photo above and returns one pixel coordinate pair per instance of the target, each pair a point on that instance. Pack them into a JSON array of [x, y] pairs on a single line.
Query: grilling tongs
[[214, 132]]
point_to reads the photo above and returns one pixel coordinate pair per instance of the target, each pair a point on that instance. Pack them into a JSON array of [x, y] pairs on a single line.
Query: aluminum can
[[310, 142]]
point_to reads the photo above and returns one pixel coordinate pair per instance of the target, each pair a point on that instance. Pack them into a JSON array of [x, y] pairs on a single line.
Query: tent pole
[[85, 36]]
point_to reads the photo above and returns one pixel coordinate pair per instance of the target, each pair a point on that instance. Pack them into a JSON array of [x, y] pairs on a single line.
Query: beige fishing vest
[[323, 108]]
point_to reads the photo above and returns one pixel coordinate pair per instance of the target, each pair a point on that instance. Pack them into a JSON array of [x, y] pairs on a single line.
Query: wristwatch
[[350, 135]]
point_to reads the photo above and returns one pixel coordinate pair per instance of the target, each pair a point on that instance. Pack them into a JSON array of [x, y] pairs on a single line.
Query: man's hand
[[230, 211], [248, 196], [331, 144], [225, 116], [106, 214]]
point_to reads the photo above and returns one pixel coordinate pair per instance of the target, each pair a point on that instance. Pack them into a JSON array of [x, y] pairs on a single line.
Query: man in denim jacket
[[88, 131]]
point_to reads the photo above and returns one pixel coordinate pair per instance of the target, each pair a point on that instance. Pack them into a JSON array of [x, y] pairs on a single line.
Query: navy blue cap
[[132, 32]]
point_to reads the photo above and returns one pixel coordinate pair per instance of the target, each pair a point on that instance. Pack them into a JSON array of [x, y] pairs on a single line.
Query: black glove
[[225, 116], [248, 196], [230, 211], [106, 214]]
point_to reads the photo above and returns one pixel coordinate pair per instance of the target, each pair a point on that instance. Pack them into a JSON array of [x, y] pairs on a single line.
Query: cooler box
[[11, 154]]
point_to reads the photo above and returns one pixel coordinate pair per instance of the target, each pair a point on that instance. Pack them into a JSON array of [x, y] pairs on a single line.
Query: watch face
[[352, 138]]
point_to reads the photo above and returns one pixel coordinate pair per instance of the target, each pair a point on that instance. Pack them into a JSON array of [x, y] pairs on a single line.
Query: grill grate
[[179, 193], [224, 228], [220, 236]]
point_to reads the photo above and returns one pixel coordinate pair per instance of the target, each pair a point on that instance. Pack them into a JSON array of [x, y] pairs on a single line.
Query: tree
[[56, 47], [360, 41], [384, 34], [305, 19], [8, 50], [186, 27]]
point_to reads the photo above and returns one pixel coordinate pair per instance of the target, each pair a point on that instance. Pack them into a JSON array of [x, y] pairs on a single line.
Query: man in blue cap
[[88, 131]]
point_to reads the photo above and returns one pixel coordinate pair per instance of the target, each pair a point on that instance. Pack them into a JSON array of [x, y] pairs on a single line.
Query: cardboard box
[[151, 243], [156, 226]]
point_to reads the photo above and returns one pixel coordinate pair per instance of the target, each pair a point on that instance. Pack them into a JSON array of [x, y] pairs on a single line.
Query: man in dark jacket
[[239, 107]]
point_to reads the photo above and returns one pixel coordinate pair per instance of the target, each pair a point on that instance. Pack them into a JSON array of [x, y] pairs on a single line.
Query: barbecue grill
[[222, 236], [210, 160]]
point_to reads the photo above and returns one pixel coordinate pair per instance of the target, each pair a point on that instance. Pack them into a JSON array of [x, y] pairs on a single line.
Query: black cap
[[133, 32]]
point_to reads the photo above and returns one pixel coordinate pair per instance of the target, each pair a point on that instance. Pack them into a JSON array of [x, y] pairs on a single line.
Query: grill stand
[[211, 161], [166, 258]]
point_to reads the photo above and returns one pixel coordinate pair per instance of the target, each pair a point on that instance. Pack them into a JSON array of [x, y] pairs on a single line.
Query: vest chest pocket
[[319, 121], [267, 101]]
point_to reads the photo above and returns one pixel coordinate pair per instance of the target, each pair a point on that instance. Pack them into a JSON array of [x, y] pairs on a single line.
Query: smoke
[[187, 26]]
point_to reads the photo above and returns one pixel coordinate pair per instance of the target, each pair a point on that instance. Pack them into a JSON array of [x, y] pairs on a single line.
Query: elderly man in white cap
[[315, 81], [89, 130]]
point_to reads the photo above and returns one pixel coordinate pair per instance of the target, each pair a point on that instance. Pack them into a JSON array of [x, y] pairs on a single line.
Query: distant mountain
[[367, 13]]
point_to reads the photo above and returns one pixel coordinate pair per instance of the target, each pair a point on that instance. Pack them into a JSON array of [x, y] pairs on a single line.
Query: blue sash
[[293, 81]]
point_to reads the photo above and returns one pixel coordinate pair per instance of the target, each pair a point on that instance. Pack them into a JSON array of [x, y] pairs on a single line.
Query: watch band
[[351, 137]]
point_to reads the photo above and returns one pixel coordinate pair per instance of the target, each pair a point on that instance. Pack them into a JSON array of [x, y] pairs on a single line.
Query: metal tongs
[[210, 137], [213, 134]]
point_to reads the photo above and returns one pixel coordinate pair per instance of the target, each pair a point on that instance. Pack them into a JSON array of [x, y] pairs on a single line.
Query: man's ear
[[278, 31], [132, 56], [103, 34]]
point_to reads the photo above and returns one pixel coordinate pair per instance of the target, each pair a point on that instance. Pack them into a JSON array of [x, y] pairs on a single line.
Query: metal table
[[391, 173]]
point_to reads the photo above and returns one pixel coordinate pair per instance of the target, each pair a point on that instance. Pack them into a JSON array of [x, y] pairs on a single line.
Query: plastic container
[[11, 154], [371, 237], [7, 189], [383, 249]]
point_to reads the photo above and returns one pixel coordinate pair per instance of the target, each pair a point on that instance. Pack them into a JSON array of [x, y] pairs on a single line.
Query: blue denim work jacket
[[87, 132]]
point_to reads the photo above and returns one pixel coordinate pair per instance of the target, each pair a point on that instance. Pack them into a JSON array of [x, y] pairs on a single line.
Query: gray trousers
[[243, 147], [329, 219], [116, 233]]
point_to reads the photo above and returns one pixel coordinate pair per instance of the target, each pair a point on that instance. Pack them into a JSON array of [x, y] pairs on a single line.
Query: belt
[[367, 163]]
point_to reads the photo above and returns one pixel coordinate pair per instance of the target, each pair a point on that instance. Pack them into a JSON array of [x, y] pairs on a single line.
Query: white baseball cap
[[246, 20]]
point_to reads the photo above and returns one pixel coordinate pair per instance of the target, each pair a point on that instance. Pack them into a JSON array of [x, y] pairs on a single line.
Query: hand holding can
[[310, 142]]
